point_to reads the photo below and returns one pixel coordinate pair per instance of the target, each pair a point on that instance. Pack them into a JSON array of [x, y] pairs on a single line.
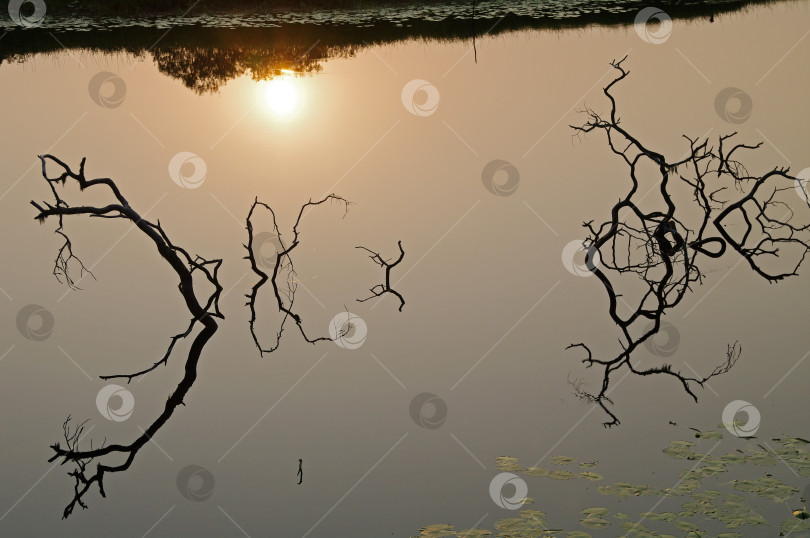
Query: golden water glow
[[281, 95]]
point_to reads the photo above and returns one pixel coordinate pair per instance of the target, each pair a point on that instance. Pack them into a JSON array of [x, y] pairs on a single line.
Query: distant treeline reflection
[[205, 58]]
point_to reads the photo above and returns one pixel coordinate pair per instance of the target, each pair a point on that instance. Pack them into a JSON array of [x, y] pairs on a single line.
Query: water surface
[[490, 305]]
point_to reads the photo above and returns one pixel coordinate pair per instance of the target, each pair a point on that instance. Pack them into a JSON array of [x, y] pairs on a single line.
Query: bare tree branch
[[283, 267], [385, 287], [663, 248], [185, 266]]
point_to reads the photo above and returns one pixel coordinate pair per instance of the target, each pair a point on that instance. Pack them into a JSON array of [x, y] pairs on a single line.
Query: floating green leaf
[[507, 463], [590, 476], [679, 449], [768, 487], [473, 533], [562, 475], [594, 523], [536, 471], [437, 531], [795, 525], [595, 512]]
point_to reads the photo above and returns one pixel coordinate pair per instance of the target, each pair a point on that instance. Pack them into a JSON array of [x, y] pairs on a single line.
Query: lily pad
[[536, 471], [562, 475], [594, 523], [507, 463], [590, 476], [595, 512]]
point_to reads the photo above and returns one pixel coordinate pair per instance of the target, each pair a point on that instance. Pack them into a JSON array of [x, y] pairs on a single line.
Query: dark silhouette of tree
[[203, 310], [282, 268], [206, 70], [385, 287], [663, 248]]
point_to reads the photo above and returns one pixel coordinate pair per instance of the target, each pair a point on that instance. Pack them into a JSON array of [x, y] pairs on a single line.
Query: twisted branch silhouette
[[203, 311], [385, 287], [664, 253], [282, 267]]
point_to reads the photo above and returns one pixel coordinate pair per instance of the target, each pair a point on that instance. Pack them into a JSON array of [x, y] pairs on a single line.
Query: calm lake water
[[491, 300]]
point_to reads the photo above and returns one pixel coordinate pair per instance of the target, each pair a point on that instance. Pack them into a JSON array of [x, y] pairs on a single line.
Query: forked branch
[[664, 248], [202, 308]]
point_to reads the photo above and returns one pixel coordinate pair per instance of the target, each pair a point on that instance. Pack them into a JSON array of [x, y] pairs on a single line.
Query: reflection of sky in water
[[490, 305]]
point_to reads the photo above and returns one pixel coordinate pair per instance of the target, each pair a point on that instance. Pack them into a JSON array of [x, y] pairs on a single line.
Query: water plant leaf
[[594, 522], [590, 476], [507, 463], [562, 475]]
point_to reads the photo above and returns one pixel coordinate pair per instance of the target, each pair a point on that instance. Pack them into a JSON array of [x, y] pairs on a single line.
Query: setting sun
[[281, 96]]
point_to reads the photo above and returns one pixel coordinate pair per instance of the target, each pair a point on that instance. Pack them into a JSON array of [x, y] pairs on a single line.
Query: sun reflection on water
[[281, 94]]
